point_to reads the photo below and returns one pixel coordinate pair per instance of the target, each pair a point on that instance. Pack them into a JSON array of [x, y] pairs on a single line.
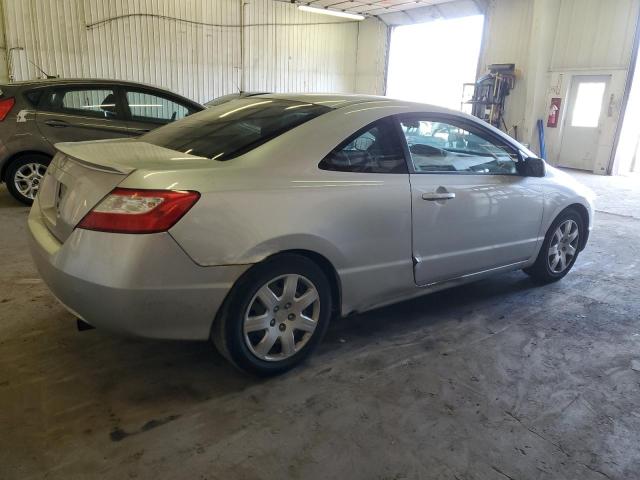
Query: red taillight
[[6, 104], [127, 210]]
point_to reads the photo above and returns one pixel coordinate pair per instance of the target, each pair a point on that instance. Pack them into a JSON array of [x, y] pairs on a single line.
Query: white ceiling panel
[[372, 7]]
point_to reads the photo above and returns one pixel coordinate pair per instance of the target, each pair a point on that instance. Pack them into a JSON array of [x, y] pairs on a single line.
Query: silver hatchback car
[[256, 221]]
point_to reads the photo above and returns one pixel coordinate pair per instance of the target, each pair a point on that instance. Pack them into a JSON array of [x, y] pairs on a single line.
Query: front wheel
[[560, 248], [275, 316], [25, 175]]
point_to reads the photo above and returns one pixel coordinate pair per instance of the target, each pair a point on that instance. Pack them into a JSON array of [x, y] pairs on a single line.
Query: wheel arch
[[329, 270], [18, 156], [584, 214], [323, 262]]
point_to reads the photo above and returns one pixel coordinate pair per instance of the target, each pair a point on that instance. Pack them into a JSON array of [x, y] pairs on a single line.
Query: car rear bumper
[[142, 285]]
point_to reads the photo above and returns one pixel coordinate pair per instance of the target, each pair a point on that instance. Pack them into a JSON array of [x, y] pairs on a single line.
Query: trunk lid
[[83, 173]]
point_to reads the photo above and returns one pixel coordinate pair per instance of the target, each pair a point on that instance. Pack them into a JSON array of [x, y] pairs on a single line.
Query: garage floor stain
[[502, 379]]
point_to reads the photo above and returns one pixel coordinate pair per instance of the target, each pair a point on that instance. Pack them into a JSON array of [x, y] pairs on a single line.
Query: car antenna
[[41, 70]]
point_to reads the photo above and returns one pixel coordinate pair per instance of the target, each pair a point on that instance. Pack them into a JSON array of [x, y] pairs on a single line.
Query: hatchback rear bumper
[[143, 285]]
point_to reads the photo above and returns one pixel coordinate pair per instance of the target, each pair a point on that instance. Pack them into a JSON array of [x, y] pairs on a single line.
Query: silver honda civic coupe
[[255, 222]]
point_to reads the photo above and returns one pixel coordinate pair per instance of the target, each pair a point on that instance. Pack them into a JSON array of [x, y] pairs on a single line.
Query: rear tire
[[25, 175], [560, 248], [275, 315]]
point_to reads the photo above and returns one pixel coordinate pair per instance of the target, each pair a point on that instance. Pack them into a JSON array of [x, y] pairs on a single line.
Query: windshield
[[234, 128]]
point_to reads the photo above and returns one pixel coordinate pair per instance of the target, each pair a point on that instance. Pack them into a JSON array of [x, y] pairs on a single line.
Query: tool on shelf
[[487, 96]]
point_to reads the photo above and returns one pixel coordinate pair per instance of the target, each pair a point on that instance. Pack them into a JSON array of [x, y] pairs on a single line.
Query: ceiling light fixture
[[335, 13]]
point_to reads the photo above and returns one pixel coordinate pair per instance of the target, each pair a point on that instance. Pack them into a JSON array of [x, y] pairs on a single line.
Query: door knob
[[435, 196], [56, 123]]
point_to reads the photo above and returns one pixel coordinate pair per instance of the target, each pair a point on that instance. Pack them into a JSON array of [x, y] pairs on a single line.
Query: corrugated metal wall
[[193, 47], [4, 71], [594, 34], [373, 46], [297, 51]]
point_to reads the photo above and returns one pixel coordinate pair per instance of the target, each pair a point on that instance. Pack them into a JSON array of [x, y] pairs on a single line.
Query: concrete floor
[[497, 380]]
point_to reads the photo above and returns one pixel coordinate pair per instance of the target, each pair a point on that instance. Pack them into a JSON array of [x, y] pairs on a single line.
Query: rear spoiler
[[68, 149]]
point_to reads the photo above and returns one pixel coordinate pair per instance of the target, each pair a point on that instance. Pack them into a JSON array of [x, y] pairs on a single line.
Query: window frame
[[45, 100], [191, 109], [459, 122], [399, 137]]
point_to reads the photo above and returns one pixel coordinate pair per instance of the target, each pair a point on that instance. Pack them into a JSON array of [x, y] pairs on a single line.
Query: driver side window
[[374, 149], [442, 147]]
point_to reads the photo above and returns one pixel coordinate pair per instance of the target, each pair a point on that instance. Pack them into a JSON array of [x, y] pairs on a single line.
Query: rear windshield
[[234, 128]]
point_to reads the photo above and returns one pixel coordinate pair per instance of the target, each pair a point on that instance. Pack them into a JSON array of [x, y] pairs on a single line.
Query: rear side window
[[234, 128], [91, 102], [34, 96], [147, 107], [374, 149]]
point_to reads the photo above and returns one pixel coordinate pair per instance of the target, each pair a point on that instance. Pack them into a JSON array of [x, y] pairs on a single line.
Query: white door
[[471, 209], [583, 121]]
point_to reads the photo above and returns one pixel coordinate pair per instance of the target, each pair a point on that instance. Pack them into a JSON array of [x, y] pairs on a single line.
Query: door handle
[[435, 196], [140, 130], [57, 123]]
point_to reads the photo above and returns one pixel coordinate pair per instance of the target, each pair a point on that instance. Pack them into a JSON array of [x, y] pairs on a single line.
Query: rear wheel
[[275, 316], [560, 248], [25, 175]]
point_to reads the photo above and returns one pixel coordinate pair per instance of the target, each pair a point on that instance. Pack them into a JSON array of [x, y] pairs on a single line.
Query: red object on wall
[[554, 113]]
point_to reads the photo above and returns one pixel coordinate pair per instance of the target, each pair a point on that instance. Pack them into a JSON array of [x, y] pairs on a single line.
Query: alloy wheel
[[563, 246], [28, 179], [281, 317]]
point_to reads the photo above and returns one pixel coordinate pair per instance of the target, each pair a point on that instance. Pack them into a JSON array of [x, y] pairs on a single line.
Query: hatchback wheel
[[275, 316], [560, 248], [25, 175]]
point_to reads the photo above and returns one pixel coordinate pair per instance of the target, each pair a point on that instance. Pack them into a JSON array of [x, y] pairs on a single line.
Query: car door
[[471, 209], [367, 179], [148, 109], [73, 113]]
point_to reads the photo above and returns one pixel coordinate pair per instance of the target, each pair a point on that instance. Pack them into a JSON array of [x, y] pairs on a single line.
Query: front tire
[[25, 175], [560, 248], [275, 315]]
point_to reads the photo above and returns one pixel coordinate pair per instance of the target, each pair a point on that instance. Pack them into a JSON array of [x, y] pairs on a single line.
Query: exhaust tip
[[82, 325]]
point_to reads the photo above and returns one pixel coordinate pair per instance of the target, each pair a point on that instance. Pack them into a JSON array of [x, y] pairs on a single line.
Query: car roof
[[331, 100], [61, 81], [232, 96]]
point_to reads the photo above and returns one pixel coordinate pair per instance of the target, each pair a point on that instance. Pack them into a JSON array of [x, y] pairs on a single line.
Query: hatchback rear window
[[234, 128]]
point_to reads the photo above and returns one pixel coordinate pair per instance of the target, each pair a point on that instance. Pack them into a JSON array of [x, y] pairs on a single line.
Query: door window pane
[[444, 147], [91, 102], [374, 150], [588, 104], [146, 107]]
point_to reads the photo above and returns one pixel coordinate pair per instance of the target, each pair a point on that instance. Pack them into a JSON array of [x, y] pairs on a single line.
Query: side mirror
[[533, 167]]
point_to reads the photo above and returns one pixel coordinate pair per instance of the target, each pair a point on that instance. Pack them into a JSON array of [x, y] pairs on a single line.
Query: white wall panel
[[594, 34], [190, 46], [371, 65], [4, 70], [290, 50]]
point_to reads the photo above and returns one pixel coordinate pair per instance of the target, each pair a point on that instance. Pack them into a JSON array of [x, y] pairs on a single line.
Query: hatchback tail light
[[6, 104], [127, 210]]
